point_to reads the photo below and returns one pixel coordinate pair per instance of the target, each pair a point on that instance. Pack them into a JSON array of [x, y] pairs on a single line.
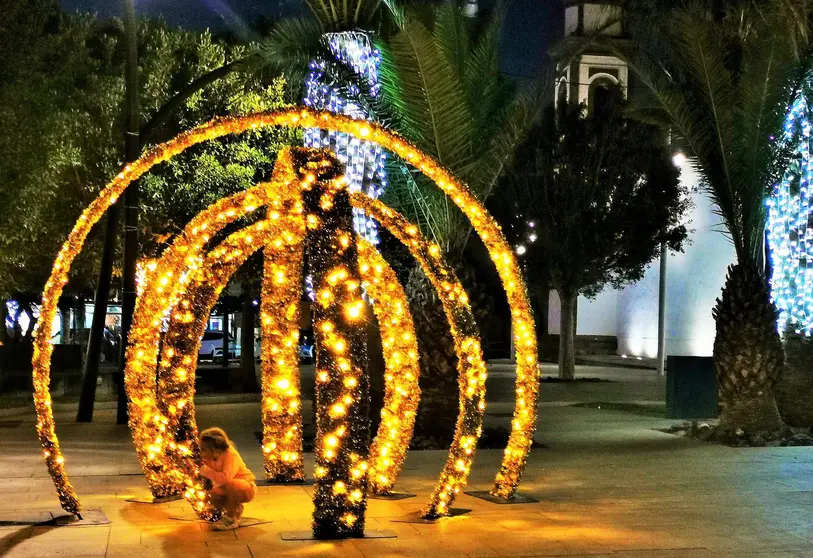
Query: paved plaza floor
[[608, 483]]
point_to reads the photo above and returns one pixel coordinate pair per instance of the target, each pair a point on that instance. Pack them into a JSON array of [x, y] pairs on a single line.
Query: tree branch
[[175, 102]]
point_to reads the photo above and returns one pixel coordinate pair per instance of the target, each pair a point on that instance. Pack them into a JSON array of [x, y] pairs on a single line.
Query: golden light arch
[[523, 423]]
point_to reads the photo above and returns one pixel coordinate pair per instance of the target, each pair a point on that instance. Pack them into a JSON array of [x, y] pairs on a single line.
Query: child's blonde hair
[[215, 439]]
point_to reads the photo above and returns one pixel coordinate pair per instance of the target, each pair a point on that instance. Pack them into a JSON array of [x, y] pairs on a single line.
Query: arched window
[[602, 89]]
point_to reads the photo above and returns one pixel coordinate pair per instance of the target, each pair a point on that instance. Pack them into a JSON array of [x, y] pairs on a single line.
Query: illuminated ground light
[[174, 291]]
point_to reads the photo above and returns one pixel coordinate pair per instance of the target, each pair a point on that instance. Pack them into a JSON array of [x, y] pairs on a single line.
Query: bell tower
[[589, 76]]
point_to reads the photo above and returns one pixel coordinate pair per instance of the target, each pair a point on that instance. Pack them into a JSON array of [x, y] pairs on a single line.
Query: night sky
[[531, 25]]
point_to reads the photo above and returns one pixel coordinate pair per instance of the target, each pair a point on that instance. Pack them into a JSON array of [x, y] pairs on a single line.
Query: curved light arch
[[402, 369], [524, 421], [470, 366]]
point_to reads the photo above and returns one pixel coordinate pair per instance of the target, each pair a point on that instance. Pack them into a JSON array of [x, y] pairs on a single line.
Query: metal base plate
[[488, 497], [13, 519], [245, 522], [89, 517], [308, 535], [415, 517], [157, 500], [263, 482], [391, 496]]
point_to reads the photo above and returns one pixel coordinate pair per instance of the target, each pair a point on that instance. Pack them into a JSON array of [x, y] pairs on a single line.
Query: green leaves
[[602, 195], [444, 83], [722, 81]]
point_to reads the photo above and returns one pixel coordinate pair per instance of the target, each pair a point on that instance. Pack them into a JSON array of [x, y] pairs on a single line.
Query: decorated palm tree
[[721, 78], [441, 82], [430, 73]]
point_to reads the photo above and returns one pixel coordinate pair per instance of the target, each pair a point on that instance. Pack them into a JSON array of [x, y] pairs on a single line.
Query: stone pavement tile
[[237, 549], [407, 546], [520, 545], [677, 553], [278, 547], [15, 533], [59, 542], [763, 554]]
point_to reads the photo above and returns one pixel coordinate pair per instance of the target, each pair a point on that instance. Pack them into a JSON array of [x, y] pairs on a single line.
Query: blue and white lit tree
[[365, 162], [790, 228]]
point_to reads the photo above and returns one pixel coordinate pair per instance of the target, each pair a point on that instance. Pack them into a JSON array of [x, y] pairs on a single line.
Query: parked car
[[306, 348], [211, 345]]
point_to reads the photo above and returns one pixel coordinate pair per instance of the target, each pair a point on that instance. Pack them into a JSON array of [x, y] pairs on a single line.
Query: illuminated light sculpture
[[402, 369], [181, 263], [790, 234], [471, 368]]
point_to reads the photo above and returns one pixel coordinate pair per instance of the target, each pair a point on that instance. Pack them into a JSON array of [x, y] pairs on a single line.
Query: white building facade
[[694, 278]]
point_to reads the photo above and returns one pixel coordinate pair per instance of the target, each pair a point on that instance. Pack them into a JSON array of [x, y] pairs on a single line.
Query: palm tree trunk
[[437, 413], [567, 335], [795, 386], [748, 354], [132, 151], [4, 337], [248, 376]]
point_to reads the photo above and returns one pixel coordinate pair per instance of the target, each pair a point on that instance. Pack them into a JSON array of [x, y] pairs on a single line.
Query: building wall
[[594, 317], [694, 280]]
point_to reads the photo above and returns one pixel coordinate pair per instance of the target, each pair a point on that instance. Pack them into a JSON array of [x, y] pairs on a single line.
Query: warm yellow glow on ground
[[182, 261]]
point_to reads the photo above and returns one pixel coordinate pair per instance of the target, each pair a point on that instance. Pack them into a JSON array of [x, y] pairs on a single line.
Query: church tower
[[589, 76]]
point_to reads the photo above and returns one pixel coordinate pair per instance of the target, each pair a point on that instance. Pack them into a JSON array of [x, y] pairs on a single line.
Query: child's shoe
[[225, 524]]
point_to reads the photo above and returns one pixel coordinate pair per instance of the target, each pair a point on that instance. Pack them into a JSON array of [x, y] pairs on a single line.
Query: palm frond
[[416, 78], [763, 93], [519, 116], [452, 37], [290, 46], [344, 15]]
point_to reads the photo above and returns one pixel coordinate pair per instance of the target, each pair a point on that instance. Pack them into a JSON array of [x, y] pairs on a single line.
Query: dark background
[[530, 28]]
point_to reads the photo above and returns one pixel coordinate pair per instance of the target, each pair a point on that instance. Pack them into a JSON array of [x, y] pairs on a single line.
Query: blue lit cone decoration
[[307, 202]]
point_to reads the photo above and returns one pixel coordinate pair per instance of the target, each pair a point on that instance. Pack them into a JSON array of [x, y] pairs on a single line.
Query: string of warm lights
[[402, 369], [174, 441], [471, 368], [484, 225], [178, 263], [342, 381], [279, 326]]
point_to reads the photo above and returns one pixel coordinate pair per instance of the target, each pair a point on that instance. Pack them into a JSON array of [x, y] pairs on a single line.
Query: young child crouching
[[233, 481]]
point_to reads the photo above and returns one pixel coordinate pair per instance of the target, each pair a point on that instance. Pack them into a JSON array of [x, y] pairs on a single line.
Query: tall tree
[[721, 76], [591, 199], [441, 84]]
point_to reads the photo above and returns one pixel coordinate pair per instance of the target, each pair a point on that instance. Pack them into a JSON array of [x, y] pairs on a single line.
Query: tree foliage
[[721, 76], [61, 129], [441, 80], [601, 193]]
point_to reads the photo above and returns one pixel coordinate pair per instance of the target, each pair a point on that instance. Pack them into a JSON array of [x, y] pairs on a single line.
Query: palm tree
[[440, 87], [441, 83], [721, 78]]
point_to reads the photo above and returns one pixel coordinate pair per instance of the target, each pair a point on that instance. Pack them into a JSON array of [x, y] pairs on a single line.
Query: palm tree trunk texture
[[567, 335], [437, 413], [794, 389], [248, 376], [748, 354]]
